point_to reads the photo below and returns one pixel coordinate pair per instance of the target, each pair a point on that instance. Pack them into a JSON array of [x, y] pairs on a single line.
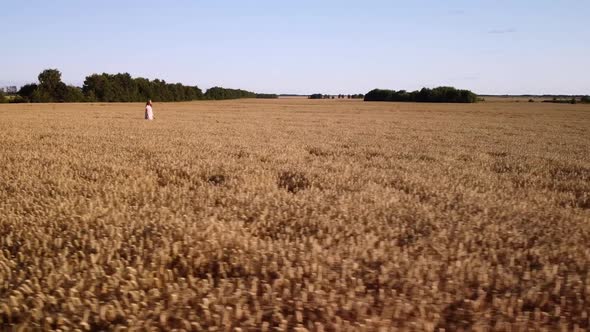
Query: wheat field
[[295, 215]]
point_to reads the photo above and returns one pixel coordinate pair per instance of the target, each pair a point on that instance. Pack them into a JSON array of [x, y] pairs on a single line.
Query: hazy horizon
[[333, 47]]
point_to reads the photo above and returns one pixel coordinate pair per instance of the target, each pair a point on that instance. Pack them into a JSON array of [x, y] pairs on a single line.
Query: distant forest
[[119, 88], [322, 96], [567, 100], [443, 94]]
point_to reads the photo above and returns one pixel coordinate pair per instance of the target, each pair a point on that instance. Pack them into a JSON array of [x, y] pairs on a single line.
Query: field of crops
[[291, 214]]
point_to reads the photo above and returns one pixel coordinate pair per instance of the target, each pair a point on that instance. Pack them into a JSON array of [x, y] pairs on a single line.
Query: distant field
[[325, 215]]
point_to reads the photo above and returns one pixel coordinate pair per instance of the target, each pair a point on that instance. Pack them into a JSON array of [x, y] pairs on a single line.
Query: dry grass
[[286, 214]]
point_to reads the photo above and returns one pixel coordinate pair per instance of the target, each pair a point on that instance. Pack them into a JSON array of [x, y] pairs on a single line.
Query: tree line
[[122, 87], [219, 93], [443, 94], [340, 96], [572, 100], [119, 87]]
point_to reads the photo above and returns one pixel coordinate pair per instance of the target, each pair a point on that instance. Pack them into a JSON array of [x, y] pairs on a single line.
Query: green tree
[[27, 91], [52, 89], [49, 79], [99, 86], [73, 94]]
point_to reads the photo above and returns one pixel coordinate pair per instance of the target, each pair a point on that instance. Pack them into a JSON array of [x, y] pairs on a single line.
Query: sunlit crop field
[[289, 214]]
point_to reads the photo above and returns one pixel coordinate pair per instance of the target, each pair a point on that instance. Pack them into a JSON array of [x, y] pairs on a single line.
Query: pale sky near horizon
[[303, 47]]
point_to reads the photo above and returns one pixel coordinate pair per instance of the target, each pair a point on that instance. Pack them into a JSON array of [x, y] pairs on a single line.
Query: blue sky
[[490, 47]]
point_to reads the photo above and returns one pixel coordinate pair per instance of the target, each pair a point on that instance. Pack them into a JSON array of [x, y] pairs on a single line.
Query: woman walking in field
[[149, 112]]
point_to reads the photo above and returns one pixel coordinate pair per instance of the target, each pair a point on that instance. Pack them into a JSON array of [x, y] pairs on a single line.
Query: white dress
[[149, 113]]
